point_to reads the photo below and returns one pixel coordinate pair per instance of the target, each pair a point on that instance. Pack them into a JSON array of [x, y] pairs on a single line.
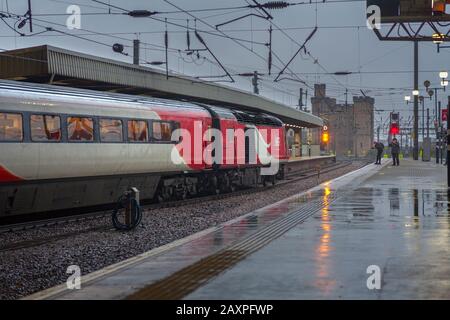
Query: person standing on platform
[[395, 151], [380, 148]]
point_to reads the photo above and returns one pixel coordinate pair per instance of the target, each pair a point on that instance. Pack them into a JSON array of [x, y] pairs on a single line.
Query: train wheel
[[181, 194], [264, 181], [160, 198]]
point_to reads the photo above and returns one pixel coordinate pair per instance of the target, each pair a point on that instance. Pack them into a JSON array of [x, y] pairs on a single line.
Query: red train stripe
[[6, 176]]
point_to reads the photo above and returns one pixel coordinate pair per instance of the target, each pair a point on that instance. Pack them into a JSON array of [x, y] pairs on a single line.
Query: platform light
[[444, 83], [438, 38], [443, 74], [407, 99], [415, 93]]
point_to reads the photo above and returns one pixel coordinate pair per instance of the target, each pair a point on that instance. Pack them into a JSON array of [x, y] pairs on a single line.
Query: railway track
[[29, 225]]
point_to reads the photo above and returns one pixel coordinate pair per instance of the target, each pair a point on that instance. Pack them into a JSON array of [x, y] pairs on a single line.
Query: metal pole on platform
[[437, 115], [423, 119], [441, 155], [448, 142], [416, 101], [428, 122]]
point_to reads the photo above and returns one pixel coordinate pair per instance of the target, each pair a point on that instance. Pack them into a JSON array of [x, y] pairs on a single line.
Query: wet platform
[[315, 245]]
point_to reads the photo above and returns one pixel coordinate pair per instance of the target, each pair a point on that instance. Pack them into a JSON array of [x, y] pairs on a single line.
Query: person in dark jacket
[[380, 148], [395, 151]]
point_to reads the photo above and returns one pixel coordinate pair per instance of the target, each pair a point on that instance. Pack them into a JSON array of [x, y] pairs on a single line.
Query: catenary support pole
[[448, 142], [416, 101], [136, 51], [437, 115]]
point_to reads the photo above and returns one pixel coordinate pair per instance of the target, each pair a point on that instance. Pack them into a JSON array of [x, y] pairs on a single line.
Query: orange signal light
[[325, 137], [439, 6]]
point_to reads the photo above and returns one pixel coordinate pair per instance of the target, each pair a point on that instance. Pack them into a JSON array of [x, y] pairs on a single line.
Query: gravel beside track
[[94, 244]]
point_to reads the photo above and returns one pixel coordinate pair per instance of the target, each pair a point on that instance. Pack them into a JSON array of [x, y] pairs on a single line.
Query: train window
[[11, 128], [137, 131], [45, 127], [111, 130], [80, 129], [162, 131]]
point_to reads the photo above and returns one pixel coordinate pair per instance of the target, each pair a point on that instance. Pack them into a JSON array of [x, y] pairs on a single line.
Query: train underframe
[[102, 192]]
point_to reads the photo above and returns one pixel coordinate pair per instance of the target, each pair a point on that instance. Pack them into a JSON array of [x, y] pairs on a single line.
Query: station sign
[[444, 114]]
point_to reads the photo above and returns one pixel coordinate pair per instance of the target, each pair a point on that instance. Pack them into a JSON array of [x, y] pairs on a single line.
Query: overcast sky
[[342, 43]]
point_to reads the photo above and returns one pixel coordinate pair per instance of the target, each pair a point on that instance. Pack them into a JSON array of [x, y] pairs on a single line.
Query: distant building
[[351, 126]]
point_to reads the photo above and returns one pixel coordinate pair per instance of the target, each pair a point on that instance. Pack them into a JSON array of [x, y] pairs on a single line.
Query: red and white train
[[64, 148]]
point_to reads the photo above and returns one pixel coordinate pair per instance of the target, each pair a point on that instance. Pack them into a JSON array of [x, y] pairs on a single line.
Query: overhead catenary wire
[[209, 25], [46, 33], [269, 5]]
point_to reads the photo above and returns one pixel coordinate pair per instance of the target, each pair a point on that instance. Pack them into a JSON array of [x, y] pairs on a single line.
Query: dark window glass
[[111, 130], [11, 127], [137, 131], [80, 129], [162, 131], [45, 127]]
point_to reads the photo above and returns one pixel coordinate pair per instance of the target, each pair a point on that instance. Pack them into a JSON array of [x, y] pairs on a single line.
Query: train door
[[250, 145]]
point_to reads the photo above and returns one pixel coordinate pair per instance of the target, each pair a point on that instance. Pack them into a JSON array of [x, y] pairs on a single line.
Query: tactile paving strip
[[185, 281]]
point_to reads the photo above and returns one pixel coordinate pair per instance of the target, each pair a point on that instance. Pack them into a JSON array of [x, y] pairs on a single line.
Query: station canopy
[[51, 65]]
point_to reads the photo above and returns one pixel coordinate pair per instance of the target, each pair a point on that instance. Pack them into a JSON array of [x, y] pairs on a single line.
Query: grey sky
[[342, 43]]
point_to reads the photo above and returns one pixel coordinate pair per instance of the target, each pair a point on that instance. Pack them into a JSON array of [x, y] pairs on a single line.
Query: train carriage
[[64, 148]]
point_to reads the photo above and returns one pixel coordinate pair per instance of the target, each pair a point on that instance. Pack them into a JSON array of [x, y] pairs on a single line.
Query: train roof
[[244, 117], [97, 95]]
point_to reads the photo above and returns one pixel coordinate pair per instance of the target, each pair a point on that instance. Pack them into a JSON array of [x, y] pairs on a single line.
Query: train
[[66, 148]]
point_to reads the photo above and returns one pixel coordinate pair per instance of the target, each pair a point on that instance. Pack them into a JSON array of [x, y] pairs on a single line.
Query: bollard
[[133, 194]]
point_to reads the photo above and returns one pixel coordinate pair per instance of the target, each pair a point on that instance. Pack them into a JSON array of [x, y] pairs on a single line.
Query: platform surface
[[315, 245], [397, 220]]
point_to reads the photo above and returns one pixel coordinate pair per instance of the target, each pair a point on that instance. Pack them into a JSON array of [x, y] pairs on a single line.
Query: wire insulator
[[274, 5]]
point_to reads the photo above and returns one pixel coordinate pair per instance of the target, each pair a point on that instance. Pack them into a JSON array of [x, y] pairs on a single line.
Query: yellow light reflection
[[324, 280]]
